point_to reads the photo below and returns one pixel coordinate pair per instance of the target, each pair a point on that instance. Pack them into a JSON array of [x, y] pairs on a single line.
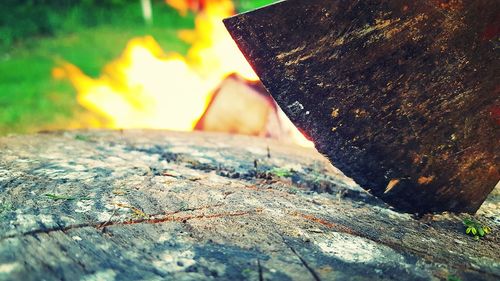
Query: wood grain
[[153, 205]]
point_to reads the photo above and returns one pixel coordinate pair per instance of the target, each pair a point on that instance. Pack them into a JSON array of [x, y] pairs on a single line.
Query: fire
[[213, 52], [148, 88], [144, 88]]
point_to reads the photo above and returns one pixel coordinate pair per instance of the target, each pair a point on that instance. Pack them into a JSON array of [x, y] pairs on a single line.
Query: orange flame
[[146, 88]]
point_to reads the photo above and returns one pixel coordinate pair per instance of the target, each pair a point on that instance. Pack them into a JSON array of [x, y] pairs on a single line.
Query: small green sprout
[[4, 208], [281, 172], [474, 228], [453, 278], [81, 138], [63, 197], [247, 272]]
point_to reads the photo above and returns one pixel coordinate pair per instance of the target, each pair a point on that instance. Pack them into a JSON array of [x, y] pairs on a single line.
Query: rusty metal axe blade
[[402, 96]]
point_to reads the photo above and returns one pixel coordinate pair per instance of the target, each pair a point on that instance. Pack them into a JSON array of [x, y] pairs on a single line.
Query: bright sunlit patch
[[147, 88]]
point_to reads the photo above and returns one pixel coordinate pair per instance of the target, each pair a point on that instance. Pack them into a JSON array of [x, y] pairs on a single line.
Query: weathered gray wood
[[401, 95], [153, 205]]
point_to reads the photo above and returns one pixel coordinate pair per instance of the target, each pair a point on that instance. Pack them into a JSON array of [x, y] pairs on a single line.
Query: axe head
[[402, 96]]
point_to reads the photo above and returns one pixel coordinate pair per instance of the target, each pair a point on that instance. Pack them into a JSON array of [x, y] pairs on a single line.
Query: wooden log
[[242, 107], [402, 96], [153, 205]]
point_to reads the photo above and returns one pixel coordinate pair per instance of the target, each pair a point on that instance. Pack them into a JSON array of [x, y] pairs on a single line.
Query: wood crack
[[261, 275], [409, 250], [313, 273], [151, 220], [303, 261]]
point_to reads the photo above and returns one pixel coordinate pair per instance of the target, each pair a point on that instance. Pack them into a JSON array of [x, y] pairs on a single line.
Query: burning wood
[[148, 88], [240, 106]]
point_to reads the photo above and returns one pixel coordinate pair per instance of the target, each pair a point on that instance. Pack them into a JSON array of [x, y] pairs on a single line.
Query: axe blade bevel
[[402, 96]]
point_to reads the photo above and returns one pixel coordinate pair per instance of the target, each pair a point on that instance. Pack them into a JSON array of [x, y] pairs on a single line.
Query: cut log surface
[[154, 205]]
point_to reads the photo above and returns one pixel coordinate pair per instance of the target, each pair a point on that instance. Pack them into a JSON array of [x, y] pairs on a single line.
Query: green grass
[[30, 100], [246, 5]]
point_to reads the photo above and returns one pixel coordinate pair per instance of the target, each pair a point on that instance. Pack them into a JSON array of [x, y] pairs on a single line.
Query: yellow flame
[[180, 5], [146, 88], [213, 52]]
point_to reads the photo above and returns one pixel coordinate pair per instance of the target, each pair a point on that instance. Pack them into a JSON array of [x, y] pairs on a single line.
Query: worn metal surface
[[402, 96], [153, 205]]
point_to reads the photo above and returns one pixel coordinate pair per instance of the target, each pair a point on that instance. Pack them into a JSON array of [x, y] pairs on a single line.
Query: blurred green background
[[37, 34]]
